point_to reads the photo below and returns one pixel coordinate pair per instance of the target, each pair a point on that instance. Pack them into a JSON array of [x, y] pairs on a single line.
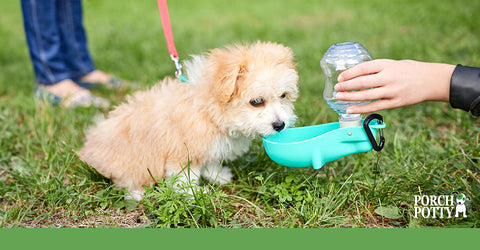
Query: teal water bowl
[[319, 144]]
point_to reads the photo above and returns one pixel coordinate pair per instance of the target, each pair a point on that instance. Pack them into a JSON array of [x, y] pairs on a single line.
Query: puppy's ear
[[229, 66]]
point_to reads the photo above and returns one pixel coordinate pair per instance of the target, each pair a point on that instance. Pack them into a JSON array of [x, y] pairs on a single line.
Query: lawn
[[430, 149]]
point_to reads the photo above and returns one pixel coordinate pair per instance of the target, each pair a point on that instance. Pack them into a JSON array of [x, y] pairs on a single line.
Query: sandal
[[114, 83], [81, 98]]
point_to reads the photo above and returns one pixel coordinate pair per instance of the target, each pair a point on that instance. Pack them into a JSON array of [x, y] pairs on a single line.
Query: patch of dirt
[[372, 220], [378, 221], [101, 218]]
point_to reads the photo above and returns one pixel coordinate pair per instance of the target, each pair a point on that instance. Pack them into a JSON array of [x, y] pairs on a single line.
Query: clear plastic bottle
[[338, 58]]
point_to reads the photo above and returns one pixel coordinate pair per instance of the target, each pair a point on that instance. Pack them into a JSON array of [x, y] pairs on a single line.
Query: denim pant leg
[[73, 38], [56, 40], [43, 39]]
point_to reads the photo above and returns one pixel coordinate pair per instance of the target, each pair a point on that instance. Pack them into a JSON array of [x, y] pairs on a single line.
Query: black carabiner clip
[[366, 122]]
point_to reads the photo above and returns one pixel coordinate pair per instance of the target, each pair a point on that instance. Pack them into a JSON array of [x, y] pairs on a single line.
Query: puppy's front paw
[[224, 176], [217, 174], [135, 195]]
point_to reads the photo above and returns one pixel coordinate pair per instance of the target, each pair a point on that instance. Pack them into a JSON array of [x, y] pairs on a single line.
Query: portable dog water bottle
[[319, 144]]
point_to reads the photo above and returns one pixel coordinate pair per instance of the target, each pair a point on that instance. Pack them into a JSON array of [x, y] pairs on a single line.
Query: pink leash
[[167, 30]]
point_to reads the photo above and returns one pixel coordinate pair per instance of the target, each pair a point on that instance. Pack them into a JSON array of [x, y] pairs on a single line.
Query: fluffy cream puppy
[[233, 94]]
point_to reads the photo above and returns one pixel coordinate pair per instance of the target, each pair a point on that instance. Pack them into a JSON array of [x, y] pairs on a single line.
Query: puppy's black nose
[[278, 125]]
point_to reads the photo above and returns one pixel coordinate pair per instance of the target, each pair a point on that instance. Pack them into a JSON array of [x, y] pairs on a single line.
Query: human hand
[[393, 84]]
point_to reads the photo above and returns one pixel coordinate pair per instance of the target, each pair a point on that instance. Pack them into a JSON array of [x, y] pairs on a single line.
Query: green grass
[[431, 149]]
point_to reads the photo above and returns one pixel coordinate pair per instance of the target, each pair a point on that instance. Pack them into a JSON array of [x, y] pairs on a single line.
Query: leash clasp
[[178, 66], [178, 69]]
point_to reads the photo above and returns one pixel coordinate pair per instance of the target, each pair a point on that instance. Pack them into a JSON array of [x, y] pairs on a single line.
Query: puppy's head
[[254, 86]]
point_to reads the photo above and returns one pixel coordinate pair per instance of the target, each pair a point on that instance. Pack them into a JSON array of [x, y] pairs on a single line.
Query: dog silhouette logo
[[460, 208]]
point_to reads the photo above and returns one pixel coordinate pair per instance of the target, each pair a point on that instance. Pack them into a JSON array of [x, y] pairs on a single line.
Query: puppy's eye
[[258, 102], [283, 95]]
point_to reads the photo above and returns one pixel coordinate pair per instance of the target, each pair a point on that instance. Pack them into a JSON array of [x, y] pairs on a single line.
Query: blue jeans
[[56, 40]]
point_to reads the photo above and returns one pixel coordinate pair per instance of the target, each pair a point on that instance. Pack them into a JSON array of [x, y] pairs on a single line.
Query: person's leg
[[47, 54], [43, 39], [73, 38]]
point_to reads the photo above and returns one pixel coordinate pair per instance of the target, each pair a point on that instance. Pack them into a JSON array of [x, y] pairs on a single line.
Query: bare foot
[[64, 88], [96, 76]]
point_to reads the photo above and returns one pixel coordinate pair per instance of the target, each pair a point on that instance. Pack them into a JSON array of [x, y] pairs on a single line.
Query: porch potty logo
[[441, 206]]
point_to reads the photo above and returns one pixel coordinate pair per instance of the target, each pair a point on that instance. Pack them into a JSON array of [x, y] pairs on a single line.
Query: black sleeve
[[465, 89]]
